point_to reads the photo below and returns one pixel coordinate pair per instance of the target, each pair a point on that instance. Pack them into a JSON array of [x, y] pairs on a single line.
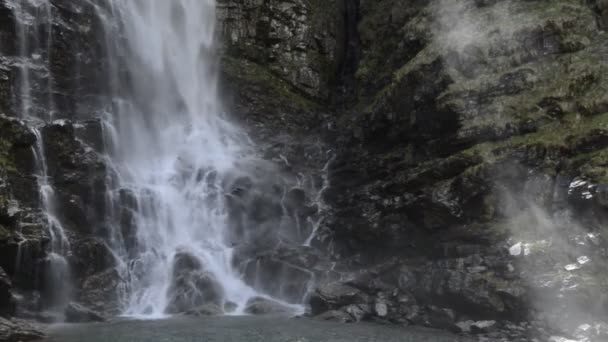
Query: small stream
[[242, 329]]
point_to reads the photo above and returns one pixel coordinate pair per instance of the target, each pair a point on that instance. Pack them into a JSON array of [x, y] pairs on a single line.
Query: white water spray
[[315, 223], [174, 149]]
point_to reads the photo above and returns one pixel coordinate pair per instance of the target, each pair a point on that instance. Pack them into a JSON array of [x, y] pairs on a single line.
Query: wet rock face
[[271, 221], [278, 278], [91, 256], [454, 150], [192, 286], [17, 162], [22, 234], [264, 306], [62, 52], [74, 88], [284, 272], [79, 178], [76, 313], [99, 292], [332, 296], [293, 38], [7, 302], [601, 7]]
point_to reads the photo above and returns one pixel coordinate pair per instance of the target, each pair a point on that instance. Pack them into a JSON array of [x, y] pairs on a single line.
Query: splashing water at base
[[173, 152]]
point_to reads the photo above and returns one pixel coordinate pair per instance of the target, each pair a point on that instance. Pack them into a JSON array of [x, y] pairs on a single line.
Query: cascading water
[[35, 104], [319, 202], [175, 151], [177, 165], [57, 274], [34, 38]]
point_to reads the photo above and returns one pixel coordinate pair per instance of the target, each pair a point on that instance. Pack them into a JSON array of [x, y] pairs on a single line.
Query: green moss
[[5, 88], [323, 15], [572, 23], [375, 50], [6, 162], [253, 73], [15, 138], [556, 136], [592, 165], [392, 33], [5, 234]]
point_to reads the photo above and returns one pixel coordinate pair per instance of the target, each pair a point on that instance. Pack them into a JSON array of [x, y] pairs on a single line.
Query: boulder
[[192, 286], [265, 306], [475, 327], [381, 309], [338, 316], [359, 312], [335, 295], [230, 307], [98, 291], [482, 326], [18, 331], [77, 313]]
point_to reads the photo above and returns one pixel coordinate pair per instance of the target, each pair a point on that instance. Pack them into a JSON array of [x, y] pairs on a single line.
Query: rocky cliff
[[467, 183], [456, 149]]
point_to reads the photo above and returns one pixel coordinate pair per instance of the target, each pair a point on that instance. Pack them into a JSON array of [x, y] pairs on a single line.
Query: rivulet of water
[[34, 103]]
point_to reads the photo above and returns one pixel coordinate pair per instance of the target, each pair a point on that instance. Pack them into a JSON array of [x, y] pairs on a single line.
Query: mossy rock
[[268, 104], [15, 138], [5, 234]]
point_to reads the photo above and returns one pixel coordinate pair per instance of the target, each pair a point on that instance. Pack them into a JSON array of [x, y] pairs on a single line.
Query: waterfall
[[173, 213], [174, 151]]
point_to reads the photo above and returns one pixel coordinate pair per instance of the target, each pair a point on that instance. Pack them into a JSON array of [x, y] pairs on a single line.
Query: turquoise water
[[247, 328]]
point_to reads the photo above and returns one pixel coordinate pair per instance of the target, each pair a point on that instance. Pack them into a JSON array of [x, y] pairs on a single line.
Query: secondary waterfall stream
[[33, 65]]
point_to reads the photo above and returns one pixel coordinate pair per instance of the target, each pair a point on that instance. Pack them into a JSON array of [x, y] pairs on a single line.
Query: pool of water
[[245, 328]]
